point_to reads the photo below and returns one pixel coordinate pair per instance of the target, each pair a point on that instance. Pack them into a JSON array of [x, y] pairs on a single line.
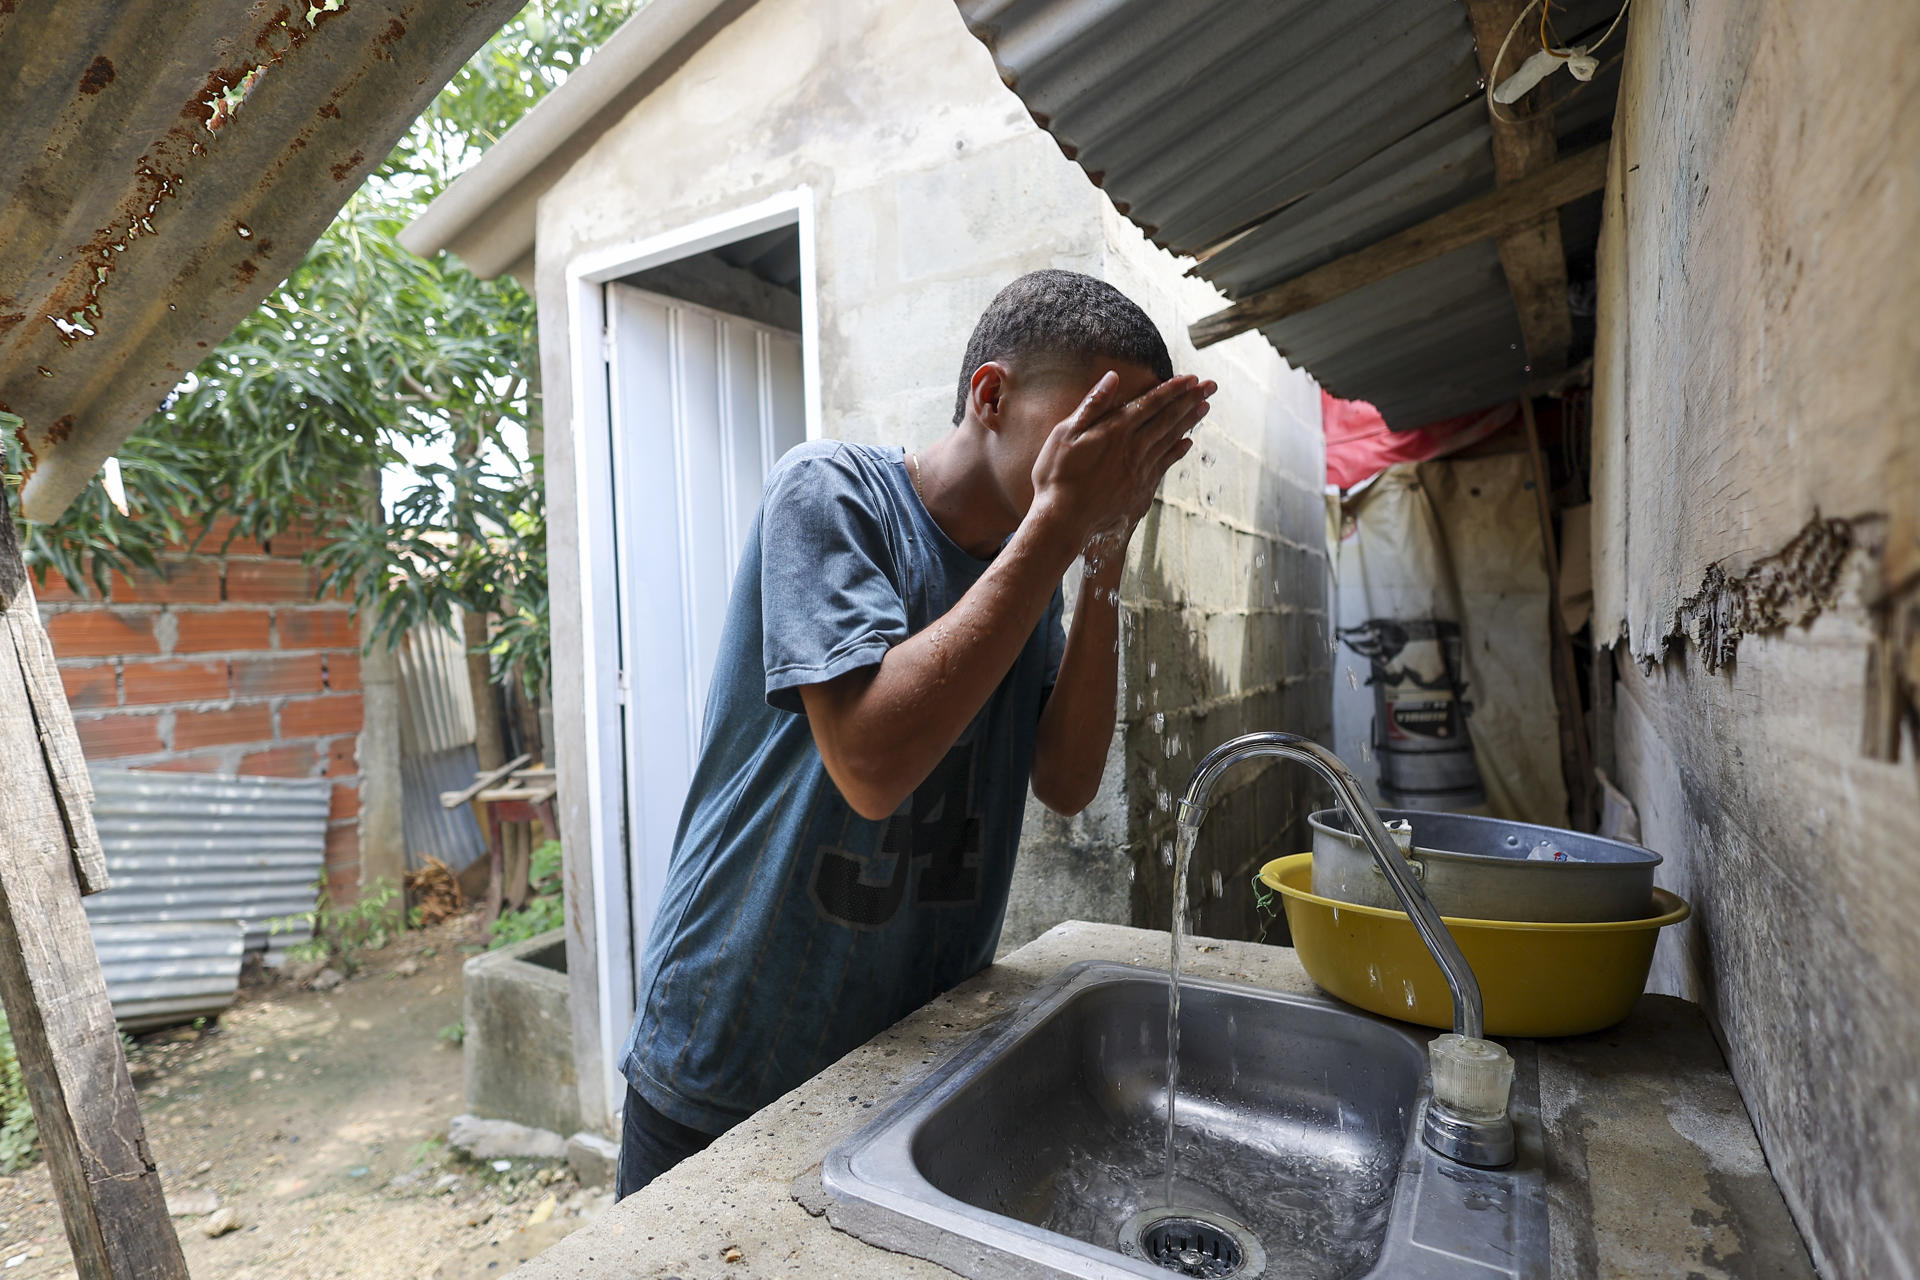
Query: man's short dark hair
[[1062, 313]]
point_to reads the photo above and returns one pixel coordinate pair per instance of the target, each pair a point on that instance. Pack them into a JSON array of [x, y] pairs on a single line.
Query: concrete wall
[[1756, 482], [1226, 609], [932, 189], [518, 1050]]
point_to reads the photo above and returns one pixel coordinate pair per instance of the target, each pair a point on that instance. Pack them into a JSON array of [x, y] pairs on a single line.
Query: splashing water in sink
[[1320, 1215], [1182, 863]]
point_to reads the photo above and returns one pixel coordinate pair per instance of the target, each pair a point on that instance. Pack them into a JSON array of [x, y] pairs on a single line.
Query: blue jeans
[[651, 1144]]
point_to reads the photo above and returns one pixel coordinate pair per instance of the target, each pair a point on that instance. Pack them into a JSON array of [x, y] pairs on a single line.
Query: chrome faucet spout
[[1469, 1140], [1468, 1018]]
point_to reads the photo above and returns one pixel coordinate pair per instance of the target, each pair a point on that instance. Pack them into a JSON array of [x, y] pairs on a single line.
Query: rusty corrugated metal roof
[[164, 166], [1268, 137]]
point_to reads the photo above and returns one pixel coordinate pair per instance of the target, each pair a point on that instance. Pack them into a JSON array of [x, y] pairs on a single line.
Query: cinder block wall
[[1225, 604], [227, 666]]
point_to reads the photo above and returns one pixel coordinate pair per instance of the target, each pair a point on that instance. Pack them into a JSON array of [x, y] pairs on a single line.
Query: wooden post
[[1531, 255], [1576, 762], [50, 980]]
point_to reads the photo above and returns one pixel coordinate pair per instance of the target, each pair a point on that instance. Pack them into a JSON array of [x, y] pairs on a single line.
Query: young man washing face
[[892, 675]]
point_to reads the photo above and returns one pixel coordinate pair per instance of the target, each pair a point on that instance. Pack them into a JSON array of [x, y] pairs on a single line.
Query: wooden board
[[1759, 300], [454, 799], [50, 980]]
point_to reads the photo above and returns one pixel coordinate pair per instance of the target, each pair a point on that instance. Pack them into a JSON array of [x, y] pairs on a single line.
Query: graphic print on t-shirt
[[936, 829]]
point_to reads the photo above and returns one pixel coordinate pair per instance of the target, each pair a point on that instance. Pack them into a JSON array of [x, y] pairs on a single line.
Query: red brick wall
[[227, 666]]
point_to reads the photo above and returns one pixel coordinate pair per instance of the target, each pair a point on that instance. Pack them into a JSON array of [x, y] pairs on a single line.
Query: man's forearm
[[1076, 728], [881, 731]]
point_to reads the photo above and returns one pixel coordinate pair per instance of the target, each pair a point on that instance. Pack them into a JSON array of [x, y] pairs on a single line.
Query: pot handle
[[1414, 865]]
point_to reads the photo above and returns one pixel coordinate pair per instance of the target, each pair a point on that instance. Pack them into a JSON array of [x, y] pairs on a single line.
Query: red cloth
[[1360, 447]]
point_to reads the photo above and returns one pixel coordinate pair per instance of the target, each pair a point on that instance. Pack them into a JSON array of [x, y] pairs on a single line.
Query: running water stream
[[1182, 862]]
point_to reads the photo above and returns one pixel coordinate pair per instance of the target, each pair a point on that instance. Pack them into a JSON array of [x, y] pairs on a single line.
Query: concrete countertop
[[1653, 1167]]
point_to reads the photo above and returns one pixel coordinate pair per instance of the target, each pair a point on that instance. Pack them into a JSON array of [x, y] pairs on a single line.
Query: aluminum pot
[[1478, 868]]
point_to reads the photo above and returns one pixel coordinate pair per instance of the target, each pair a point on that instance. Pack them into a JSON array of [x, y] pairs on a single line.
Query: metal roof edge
[[460, 218]]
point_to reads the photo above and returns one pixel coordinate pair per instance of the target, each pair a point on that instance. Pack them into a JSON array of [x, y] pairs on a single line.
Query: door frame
[[595, 485]]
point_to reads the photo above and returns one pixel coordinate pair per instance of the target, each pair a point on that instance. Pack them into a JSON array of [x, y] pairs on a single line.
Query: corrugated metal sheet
[[189, 847], [142, 218], [451, 835], [436, 699], [1268, 138], [162, 973], [436, 748]]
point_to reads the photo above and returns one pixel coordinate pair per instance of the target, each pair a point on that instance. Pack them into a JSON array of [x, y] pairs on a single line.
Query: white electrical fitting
[[1521, 83], [1578, 59]]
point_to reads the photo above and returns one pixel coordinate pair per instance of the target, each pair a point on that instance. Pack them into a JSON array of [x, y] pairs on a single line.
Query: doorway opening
[[702, 377]]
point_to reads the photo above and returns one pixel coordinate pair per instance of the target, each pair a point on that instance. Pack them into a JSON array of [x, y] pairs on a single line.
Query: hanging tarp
[[1360, 445], [1442, 693]]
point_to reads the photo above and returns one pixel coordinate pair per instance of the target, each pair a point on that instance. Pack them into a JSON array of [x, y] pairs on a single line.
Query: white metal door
[[701, 405]]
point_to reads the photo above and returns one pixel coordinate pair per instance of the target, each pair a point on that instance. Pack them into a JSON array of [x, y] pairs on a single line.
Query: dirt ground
[[320, 1118]]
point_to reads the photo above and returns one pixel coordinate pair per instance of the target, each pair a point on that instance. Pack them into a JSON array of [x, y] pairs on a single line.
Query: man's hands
[[1096, 474]]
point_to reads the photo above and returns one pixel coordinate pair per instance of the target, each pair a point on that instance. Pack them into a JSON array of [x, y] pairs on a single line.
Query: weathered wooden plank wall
[[1757, 387]]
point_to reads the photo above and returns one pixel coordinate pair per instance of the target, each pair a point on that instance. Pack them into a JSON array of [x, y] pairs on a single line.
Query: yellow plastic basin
[[1535, 979]]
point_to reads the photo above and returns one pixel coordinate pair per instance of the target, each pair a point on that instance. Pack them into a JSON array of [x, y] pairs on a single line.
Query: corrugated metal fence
[[200, 867], [184, 846], [436, 747]]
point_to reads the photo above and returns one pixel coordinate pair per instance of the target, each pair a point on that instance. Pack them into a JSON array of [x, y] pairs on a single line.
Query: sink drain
[[1193, 1242]]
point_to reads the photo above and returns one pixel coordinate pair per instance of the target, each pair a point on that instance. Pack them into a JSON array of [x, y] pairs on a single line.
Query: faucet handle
[[1467, 1117], [1471, 1078]]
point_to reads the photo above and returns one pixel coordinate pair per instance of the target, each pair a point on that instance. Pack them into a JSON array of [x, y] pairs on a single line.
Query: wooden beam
[[1486, 216], [1576, 761], [50, 980], [1532, 255], [454, 799]]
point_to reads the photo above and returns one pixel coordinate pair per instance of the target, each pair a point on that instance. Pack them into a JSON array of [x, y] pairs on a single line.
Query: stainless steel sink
[[1037, 1148]]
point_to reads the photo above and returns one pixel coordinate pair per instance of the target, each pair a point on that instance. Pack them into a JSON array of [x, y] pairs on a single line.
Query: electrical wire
[[1598, 74], [1609, 31], [1546, 7], [1493, 69]]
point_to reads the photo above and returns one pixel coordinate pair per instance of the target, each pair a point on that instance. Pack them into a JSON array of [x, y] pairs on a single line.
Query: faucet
[[1467, 1119]]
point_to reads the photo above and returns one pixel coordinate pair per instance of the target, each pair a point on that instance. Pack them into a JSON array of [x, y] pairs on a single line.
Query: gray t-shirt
[[791, 930]]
